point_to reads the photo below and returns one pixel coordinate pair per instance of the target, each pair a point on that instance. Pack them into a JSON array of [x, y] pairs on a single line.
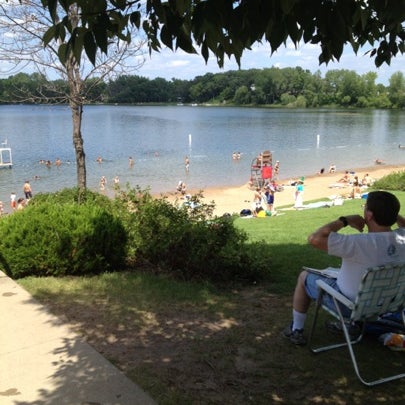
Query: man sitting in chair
[[381, 245]]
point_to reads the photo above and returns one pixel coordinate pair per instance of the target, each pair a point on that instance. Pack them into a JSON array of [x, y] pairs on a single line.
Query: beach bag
[[245, 212], [390, 322]]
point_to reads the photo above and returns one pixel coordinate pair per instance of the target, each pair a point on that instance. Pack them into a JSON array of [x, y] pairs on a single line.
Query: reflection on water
[[159, 138]]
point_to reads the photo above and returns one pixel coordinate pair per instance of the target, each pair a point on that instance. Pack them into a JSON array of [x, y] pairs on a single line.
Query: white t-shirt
[[361, 251]]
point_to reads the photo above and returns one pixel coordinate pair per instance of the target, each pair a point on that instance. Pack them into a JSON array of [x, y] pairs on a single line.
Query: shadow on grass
[[189, 343]]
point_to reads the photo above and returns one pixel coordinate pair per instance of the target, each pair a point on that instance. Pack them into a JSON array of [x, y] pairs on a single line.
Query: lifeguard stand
[[6, 159], [264, 159]]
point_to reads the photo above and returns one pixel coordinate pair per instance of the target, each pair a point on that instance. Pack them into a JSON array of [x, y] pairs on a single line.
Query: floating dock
[[6, 159]]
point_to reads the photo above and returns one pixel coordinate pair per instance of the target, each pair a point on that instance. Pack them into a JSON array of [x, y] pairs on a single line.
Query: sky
[[180, 65]]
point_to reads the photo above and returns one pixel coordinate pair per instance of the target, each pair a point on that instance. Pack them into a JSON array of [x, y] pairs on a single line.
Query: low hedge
[[59, 239]]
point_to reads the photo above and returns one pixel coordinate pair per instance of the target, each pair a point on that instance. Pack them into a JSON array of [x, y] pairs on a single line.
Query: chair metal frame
[[382, 290]]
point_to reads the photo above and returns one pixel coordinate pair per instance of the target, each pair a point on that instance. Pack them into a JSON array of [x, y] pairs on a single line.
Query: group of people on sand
[[263, 200], [359, 186], [352, 179]]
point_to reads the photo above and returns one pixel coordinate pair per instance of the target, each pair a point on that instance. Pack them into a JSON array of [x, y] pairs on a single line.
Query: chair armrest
[[336, 294]]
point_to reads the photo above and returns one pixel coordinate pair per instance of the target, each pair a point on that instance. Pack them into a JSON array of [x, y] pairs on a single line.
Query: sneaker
[[296, 336]]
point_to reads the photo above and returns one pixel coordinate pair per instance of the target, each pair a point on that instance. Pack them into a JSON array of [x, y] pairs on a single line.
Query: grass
[[191, 343], [286, 238]]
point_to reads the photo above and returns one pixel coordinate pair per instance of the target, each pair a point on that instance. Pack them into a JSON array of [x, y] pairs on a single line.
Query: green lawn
[[286, 237]]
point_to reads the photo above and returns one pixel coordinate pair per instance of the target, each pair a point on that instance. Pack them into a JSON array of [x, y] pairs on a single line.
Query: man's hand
[[401, 221], [319, 239], [356, 222]]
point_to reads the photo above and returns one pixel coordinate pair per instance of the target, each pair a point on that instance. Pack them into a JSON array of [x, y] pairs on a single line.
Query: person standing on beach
[[299, 191], [187, 163], [27, 190], [257, 201], [269, 193]]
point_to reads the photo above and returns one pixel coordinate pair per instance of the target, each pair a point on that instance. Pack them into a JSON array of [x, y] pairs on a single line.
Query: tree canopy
[[228, 27], [275, 87]]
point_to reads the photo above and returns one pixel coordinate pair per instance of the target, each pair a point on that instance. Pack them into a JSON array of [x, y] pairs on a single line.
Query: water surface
[[159, 138]]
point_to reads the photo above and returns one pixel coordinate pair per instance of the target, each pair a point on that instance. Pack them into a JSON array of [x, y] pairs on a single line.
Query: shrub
[[57, 235], [72, 195], [59, 239], [393, 181], [184, 241]]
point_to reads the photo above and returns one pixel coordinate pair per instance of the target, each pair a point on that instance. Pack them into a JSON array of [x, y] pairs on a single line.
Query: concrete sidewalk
[[43, 362]]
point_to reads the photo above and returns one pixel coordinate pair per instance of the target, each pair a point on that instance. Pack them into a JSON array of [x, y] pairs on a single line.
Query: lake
[[160, 137]]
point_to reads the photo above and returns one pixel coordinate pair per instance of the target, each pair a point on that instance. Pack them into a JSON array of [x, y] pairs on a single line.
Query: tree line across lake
[[290, 87]]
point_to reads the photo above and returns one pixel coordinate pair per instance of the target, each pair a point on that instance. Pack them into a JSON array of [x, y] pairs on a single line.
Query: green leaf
[[181, 6], [355, 47], [184, 42], [52, 5], [293, 30], [90, 47], [135, 19], [204, 51], [166, 37], [63, 53], [121, 4], [101, 37], [337, 49], [49, 35], [287, 5], [277, 36]]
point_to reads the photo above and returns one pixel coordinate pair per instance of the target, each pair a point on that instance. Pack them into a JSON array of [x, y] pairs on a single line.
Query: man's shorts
[[312, 291]]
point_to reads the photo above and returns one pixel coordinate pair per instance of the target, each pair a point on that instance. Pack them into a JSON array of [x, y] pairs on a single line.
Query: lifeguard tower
[[256, 168], [6, 159]]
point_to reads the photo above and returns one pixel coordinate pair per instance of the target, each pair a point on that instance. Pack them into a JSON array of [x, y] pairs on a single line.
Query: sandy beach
[[234, 199]]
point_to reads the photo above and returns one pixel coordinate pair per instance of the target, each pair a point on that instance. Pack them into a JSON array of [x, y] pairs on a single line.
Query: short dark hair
[[384, 206]]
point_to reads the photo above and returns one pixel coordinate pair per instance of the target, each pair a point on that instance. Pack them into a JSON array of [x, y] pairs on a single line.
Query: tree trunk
[[76, 105], [77, 111], [75, 82]]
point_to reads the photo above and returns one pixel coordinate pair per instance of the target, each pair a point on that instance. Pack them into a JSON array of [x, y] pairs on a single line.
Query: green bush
[[73, 195], [187, 242], [48, 238], [393, 182], [73, 233]]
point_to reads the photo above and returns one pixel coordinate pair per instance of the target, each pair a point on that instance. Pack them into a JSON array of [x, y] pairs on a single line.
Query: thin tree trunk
[[76, 105], [77, 111]]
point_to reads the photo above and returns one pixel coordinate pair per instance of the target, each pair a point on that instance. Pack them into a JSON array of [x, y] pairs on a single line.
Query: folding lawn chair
[[382, 290]]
